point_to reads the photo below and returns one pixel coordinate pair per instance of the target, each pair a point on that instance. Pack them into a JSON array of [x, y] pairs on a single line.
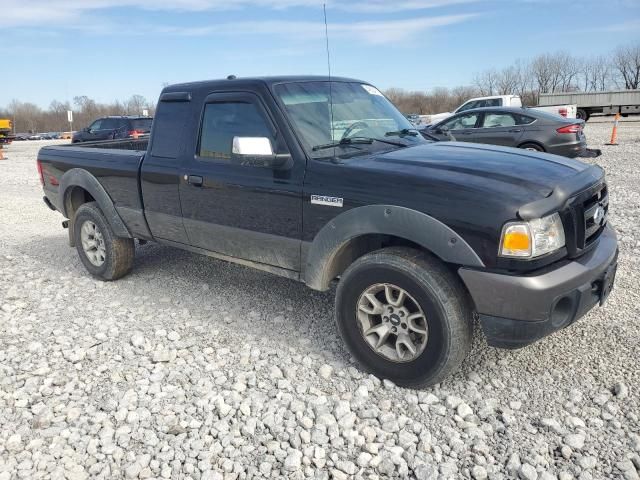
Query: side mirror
[[258, 152], [86, 129]]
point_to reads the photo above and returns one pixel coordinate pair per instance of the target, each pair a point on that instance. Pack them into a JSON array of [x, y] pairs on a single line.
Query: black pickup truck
[[323, 181]]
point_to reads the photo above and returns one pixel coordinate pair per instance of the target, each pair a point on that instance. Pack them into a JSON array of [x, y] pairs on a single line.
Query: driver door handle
[[515, 130], [195, 180]]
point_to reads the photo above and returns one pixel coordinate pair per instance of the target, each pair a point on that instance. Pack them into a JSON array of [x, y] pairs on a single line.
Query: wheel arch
[[77, 186], [363, 229]]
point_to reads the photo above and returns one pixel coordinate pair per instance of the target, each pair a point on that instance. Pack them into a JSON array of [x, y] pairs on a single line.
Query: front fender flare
[[401, 222], [77, 177]]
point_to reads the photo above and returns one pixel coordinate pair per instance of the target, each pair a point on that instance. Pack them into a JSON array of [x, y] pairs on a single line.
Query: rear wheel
[[582, 114], [404, 316], [532, 146], [103, 254]]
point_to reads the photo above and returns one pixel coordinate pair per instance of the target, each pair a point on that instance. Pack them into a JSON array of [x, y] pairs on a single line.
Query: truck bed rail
[[137, 144]]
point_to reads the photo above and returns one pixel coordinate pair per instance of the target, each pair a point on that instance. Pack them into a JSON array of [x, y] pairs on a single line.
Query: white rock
[[293, 461], [575, 441], [14, 443], [464, 410], [137, 340], [173, 336], [479, 472], [325, 371], [527, 472]]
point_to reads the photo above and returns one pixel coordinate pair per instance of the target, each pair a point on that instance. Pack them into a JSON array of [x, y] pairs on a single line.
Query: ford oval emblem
[[598, 215]]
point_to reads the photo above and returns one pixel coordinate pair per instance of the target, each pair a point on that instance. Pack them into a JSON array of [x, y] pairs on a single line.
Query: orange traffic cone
[[614, 132]]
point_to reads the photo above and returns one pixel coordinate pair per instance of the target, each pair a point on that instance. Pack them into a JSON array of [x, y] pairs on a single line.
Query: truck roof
[[253, 81]]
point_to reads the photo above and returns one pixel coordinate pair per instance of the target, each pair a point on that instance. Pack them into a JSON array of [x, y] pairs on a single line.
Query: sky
[[112, 49]]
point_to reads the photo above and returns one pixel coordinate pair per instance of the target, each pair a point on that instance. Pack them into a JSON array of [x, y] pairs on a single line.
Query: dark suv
[[110, 128]]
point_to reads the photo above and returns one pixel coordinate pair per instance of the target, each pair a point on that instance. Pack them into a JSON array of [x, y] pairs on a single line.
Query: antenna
[[326, 36]]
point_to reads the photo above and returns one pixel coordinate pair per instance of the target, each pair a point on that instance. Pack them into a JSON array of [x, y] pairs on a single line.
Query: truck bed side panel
[[116, 170]]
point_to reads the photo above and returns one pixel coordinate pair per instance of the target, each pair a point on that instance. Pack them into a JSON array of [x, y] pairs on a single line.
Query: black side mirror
[[86, 129]]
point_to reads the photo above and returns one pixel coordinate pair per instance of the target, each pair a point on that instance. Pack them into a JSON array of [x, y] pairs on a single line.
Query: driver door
[[247, 211]]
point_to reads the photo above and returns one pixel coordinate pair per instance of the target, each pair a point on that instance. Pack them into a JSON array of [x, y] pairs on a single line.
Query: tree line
[[30, 118], [547, 73]]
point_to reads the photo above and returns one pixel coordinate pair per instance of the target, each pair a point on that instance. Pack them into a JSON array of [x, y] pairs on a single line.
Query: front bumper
[[516, 311]]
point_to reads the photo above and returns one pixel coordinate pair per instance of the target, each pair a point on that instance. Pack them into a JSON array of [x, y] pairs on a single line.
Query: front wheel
[[404, 316], [103, 254]]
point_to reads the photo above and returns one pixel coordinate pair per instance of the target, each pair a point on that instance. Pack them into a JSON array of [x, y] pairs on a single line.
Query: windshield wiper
[[400, 133], [344, 142], [350, 141]]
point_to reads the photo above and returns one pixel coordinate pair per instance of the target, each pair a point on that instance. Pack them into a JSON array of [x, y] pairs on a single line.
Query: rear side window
[[493, 102], [224, 120], [523, 119], [492, 120], [169, 121], [141, 124], [110, 124]]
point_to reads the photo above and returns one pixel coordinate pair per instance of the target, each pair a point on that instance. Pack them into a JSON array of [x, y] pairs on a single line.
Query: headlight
[[532, 239]]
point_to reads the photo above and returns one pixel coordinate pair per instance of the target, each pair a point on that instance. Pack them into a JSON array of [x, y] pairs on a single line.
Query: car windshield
[[325, 113]]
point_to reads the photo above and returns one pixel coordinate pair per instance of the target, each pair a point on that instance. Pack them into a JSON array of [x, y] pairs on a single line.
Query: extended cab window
[[492, 120], [225, 120], [463, 121]]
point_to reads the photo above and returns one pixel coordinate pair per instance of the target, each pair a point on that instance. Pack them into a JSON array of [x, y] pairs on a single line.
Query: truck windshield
[[357, 110]]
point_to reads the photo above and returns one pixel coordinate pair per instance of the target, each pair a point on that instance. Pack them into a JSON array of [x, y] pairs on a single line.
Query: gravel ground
[[195, 368]]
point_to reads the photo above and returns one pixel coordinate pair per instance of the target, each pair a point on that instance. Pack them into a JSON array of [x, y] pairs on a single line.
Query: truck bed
[[114, 163]]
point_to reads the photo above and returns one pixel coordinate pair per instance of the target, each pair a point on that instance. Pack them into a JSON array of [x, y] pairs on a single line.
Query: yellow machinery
[[6, 137]]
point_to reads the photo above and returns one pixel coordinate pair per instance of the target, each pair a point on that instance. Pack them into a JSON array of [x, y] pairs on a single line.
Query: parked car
[[567, 111], [526, 128], [624, 102], [111, 128], [323, 181], [34, 136]]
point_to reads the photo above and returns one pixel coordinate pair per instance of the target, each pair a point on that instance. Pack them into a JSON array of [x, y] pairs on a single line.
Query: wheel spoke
[[388, 293], [375, 307], [405, 340], [382, 331], [414, 325]]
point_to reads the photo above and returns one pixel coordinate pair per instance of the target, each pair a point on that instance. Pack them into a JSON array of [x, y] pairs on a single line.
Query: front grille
[[588, 214]]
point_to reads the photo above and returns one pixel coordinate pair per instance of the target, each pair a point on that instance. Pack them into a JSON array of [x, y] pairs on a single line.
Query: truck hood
[[534, 175]]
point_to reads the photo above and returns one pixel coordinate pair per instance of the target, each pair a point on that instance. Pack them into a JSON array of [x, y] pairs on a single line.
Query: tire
[[116, 253], [531, 146], [582, 114], [427, 284]]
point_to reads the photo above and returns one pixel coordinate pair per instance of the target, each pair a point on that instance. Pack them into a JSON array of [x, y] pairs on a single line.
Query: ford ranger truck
[[322, 180]]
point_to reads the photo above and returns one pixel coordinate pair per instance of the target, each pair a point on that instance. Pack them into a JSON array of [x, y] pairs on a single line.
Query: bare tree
[[626, 61], [596, 73], [486, 82], [136, 104]]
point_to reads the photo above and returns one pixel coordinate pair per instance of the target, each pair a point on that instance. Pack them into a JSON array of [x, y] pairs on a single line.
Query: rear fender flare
[[77, 177], [401, 222]]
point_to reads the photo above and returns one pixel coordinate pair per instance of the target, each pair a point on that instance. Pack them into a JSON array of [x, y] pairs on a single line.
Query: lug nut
[[394, 329], [386, 319], [404, 325]]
